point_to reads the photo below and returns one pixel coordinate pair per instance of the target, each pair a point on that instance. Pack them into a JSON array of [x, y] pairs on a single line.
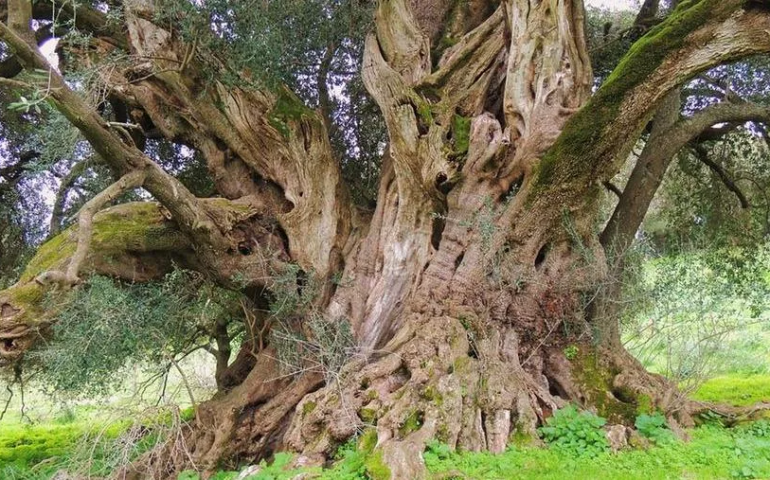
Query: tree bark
[[466, 287]]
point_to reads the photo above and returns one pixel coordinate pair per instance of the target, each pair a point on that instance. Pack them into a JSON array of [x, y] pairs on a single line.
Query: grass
[[39, 451], [739, 390], [713, 453], [89, 442]]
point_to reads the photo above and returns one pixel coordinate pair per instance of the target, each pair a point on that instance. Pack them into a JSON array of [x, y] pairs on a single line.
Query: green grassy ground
[[738, 390], [715, 452], [84, 439], [39, 451]]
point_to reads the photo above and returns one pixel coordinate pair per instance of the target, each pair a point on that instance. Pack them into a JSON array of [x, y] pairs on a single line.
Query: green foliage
[[702, 313], [261, 38], [655, 428], [574, 432], [713, 453], [104, 326], [760, 428], [694, 208], [89, 446], [609, 38]]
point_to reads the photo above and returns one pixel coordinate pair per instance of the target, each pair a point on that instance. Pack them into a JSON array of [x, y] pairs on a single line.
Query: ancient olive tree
[[473, 290]]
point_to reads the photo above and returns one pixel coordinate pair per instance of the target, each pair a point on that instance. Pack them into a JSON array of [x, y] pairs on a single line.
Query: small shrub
[[655, 428], [575, 432]]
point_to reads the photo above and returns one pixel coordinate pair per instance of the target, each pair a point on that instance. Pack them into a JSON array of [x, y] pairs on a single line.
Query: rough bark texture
[[471, 277]]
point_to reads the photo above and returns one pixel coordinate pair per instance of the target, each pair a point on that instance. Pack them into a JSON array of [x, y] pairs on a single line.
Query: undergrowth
[[85, 447], [37, 452], [713, 453], [738, 390]]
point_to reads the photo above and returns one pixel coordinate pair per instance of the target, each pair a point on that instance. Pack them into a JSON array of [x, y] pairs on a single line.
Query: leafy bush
[[655, 428], [579, 433]]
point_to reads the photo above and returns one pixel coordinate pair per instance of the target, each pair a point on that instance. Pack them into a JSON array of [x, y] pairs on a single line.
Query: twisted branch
[[128, 182]]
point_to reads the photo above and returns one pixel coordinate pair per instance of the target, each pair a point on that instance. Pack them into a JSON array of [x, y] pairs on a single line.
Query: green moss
[[368, 415], [572, 154], [461, 132], [597, 384], [424, 111], [50, 255], [442, 433], [137, 226], [411, 423], [644, 405], [521, 439], [376, 468], [367, 441], [27, 295], [288, 108], [308, 407], [432, 394], [461, 364]]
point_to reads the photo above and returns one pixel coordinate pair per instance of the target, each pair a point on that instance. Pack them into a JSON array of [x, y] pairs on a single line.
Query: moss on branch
[[579, 150], [137, 227], [288, 108]]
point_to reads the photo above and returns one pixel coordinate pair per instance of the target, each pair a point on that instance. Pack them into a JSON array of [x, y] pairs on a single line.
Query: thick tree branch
[[597, 139], [702, 154], [613, 188], [655, 159], [124, 158], [82, 17], [128, 182]]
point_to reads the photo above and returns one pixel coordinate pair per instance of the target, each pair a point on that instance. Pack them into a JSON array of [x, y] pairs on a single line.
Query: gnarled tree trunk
[[468, 289]]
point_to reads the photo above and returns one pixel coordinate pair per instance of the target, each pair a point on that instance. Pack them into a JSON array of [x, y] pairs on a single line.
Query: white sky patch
[[48, 49], [614, 4]]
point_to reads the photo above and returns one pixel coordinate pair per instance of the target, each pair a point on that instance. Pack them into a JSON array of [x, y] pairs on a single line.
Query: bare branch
[[613, 188], [61, 195], [702, 154]]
